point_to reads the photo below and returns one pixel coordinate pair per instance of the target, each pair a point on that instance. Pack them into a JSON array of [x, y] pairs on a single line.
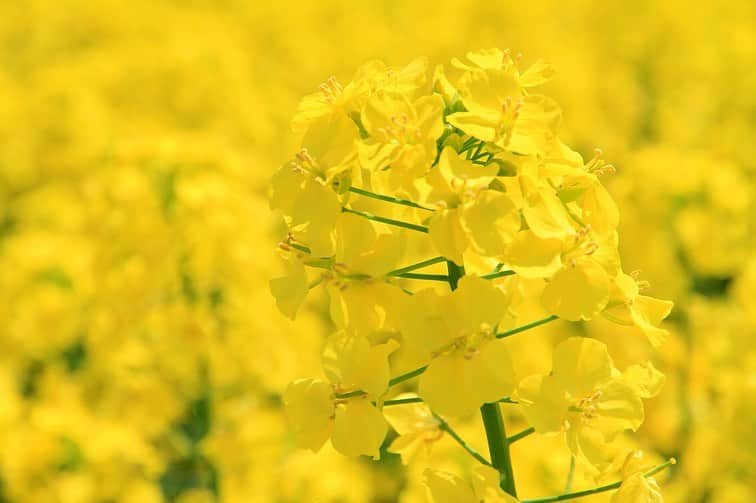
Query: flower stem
[[570, 475], [517, 436], [498, 446], [388, 199], [525, 327], [599, 489], [388, 221], [493, 423], [443, 425], [419, 265], [427, 277], [497, 274], [409, 375]]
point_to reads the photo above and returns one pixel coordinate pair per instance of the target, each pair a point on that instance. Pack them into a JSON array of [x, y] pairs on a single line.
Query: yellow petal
[[448, 236], [442, 487], [423, 321], [410, 417], [645, 379], [362, 250], [359, 429], [481, 125], [543, 402], [351, 361], [619, 408], [446, 387], [290, 290], [476, 302], [638, 489], [534, 257], [409, 447], [330, 140], [314, 214], [491, 373], [309, 409], [545, 214], [491, 222], [589, 447], [537, 74], [577, 293], [581, 365], [485, 480], [647, 313]]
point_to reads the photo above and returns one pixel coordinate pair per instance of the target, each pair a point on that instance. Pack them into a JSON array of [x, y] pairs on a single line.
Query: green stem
[[301, 248], [388, 199], [409, 375], [402, 401], [517, 436], [427, 277], [388, 221], [455, 273], [443, 425], [525, 327], [419, 265], [493, 423], [570, 475], [596, 490], [357, 392], [497, 274], [498, 446]]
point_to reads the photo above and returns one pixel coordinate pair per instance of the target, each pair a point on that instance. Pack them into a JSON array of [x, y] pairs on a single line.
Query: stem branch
[[388, 221], [599, 489], [443, 425], [388, 199]]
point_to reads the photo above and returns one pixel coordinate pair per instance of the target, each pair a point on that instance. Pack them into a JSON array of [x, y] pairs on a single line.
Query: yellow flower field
[[195, 309]]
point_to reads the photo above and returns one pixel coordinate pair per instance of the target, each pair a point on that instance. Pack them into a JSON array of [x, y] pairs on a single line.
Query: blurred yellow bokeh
[[143, 357]]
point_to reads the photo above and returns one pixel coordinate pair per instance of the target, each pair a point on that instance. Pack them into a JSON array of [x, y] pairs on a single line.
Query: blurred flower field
[[144, 358]]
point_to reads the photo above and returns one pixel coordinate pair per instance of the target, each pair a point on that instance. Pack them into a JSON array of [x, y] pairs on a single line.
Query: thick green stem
[[455, 273], [498, 446]]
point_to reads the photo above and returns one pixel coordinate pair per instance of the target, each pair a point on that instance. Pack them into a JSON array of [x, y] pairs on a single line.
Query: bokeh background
[[143, 359]]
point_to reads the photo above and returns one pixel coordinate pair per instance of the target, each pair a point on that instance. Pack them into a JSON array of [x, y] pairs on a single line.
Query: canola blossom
[[145, 360], [434, 205]]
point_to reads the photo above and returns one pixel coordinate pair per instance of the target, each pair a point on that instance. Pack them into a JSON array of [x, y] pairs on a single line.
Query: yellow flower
[[468, 365], [628, 307], [364, 247], [443, 487], [585, 397], [317, 411], [499, 111], [471, 215], [417, 428], [638, 489], [401, 137], [579, 291], [310, 409]]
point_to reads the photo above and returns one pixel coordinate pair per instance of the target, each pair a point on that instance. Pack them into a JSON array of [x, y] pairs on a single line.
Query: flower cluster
[[403, 171]]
